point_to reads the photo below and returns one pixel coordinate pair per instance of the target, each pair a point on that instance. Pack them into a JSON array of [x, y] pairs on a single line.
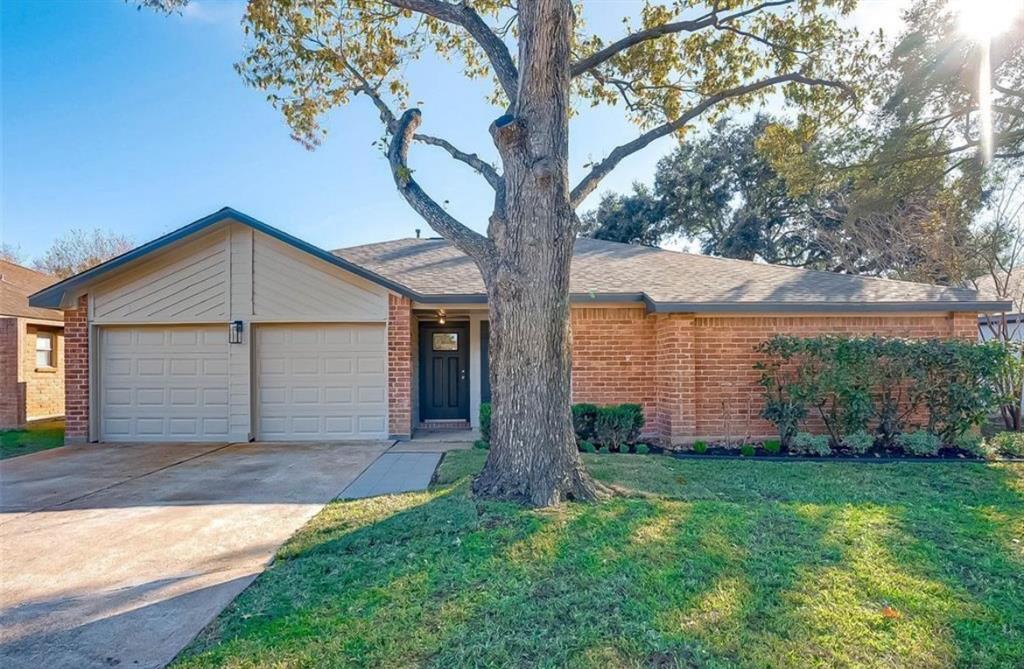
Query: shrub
[[773, 446], [850, 382], [624, 449], [604, 450], [642, 449], [859, 442], [618, 424], [587, 447], [1008, 444], [971, 442], [747, 450], [584, 417], [810, 444], [700, 447], [485, 421], [481, 444], [919, 442]]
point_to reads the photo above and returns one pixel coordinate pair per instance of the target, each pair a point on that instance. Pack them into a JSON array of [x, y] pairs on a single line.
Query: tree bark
[[533, 457]]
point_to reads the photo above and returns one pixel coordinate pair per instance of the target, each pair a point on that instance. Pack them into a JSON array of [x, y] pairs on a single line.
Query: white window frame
[[50, 350]]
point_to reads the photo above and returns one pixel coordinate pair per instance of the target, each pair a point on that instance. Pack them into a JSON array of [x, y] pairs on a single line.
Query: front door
[[444, 372]]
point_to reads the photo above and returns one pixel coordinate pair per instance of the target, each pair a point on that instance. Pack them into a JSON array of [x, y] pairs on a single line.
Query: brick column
[[76, 372], [675, 378], [12, 403], [400, 368]]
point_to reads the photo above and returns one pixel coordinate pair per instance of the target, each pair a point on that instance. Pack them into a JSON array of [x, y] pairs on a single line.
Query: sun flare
[[981, 20]]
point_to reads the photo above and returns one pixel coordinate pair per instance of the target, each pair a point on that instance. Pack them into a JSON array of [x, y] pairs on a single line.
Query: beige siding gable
[[288, 284], [188, 283]]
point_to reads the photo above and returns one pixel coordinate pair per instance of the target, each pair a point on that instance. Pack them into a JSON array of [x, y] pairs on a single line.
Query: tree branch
[[464, 15], [468, 241], [587, 185], [610, 51]]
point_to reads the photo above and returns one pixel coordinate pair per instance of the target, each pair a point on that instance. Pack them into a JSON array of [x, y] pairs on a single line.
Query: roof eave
[[827, 307]]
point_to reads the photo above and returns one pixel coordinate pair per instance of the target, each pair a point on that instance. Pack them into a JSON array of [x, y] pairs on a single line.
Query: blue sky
[[129, 120]]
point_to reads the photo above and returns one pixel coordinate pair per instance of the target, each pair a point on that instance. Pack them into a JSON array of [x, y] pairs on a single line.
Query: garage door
[[321, 382], [164, 383]]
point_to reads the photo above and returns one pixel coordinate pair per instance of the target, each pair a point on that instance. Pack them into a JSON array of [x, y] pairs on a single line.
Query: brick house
[[31, 350], [229, 330]]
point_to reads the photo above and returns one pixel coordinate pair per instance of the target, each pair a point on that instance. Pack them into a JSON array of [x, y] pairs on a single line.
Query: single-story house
[[230, 329], [31, 350]]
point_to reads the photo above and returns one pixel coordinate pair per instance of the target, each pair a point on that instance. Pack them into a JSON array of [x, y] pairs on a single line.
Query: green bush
[[618, 424], [604, 450], [851, 382], [773, 446], [584, 418], [485, 421], [642, 449], [700, 447], [859, 442], [1008, 444], [624, 449], [810, 444], [481, 444], [972, 443], [747, 450], [587, 447], [919, 442]]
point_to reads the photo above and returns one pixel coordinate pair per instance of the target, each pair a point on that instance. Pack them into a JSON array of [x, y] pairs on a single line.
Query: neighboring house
[[31, 350], [229, 329]]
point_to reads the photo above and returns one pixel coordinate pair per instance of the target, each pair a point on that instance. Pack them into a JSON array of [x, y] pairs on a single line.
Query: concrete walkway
[[393, 473], [118, 555]]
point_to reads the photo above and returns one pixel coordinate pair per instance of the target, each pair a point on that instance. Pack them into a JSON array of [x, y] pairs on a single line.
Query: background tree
[[11, 253], [77, 250], [677, 63]]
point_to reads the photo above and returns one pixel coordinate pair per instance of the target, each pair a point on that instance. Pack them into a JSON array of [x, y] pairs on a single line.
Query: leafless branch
[[468, 241], [464, 15]]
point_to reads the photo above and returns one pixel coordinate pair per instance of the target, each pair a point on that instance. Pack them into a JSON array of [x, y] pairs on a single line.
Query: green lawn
[[709, 564], [38, 437]]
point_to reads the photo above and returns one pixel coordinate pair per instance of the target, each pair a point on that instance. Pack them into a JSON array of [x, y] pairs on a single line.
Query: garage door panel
[[321, 381], [163, 383]]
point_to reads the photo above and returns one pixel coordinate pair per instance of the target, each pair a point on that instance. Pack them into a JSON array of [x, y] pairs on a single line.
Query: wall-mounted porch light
[[440, 316], [235, 332]]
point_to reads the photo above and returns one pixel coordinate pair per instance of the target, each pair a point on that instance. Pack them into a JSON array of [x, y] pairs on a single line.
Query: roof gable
[[54, 296]]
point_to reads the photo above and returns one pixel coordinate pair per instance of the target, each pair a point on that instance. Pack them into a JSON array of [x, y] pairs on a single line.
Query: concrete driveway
[[117, 555]]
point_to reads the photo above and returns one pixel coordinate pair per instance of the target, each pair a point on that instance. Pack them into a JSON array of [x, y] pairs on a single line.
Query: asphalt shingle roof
[[16, 284], [434, 267]]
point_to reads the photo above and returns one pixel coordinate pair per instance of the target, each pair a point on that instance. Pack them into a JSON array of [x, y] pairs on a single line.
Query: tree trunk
[[533, 456]]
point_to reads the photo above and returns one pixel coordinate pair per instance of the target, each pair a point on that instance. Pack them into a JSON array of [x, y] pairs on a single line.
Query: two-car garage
[[234, 332], [312, 382]]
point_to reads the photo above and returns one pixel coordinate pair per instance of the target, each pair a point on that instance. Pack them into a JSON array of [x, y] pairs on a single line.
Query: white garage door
[[164, 383], [321, 381]]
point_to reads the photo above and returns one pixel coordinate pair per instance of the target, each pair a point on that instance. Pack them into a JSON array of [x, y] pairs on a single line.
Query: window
[[44, 349], [446, 341]]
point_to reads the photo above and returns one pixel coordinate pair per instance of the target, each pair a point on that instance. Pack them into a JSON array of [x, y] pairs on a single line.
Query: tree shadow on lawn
[[751, 567]]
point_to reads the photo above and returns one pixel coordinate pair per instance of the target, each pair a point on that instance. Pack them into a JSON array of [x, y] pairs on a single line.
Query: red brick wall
[[76, 371], [12, 413], [400, 366], [613, 357], [694, 374], [44, 387]]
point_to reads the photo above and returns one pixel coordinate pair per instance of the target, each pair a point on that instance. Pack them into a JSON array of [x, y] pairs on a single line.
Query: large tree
[[77, 250], [677, 62]]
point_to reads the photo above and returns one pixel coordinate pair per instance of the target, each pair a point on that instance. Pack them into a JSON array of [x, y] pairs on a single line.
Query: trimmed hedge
[[859, 383], [610, 426]]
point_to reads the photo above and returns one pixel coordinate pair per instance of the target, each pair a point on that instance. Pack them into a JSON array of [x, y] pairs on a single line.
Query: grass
[[37, 437], [711, 564]]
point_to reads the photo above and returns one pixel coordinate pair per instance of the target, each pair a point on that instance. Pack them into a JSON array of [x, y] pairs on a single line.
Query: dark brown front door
[[444, 372]]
